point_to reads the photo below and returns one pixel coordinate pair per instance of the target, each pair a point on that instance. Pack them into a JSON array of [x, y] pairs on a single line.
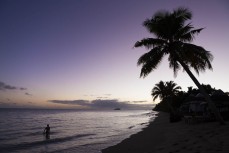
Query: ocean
[[72, 131]]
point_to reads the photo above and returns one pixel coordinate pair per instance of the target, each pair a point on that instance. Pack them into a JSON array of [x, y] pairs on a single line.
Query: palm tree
[[159, 91], [173, 37], [165, 91], [172, 88]]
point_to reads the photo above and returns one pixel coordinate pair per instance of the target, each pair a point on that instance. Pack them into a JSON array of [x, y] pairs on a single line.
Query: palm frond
[[182, 14], [173, 64], [150, 61], [150, 43], [159, 91], [182, 31], [190, 35], [163, 90], [172, 88], [196, 57], [158, 24]]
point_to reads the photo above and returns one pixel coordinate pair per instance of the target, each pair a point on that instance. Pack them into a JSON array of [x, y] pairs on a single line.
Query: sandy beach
[[164, 137]]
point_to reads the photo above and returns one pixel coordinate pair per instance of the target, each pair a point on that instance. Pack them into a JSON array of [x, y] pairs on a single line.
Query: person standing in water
[[47, 130]]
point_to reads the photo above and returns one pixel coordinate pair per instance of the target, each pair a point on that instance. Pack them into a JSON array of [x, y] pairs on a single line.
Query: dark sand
[[164, 137]]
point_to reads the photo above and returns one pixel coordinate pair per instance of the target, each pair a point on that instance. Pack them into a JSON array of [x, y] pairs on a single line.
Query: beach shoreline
[[161, 136]]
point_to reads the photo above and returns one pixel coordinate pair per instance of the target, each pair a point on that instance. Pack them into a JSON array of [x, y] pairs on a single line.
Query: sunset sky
[[79, 53]]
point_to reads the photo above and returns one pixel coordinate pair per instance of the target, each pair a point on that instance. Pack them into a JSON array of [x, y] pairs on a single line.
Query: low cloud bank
[[103, 104], [4, 86]]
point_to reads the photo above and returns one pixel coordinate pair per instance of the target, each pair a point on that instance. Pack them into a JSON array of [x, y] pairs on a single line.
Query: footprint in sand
[[160, 148], [175, 144], [186, 140], [174, 151], [194, 143]]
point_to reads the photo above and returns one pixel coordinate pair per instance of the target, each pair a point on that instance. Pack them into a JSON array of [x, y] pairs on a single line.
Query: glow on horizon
[[84, 50]]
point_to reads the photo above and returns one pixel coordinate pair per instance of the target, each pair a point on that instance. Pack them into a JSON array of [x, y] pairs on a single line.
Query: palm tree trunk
[[173, 114], [202, 90], [169, 103]]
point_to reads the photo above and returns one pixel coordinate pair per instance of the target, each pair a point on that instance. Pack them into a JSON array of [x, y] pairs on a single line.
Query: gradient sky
[[79, 53]]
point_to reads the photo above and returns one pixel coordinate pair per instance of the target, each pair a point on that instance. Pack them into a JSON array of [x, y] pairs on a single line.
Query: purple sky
[[58, 52]]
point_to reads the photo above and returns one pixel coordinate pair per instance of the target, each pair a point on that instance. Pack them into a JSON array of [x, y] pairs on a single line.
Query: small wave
[[131, 127], [40, 132], [150, 114], [33, 134], [64, 139], [102, 127], [82, 149], [144, 123], [10, 133], [33, 128], [38, 143]]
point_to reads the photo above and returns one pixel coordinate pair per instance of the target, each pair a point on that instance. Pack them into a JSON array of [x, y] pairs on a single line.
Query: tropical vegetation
[[180, 98], [173, 34], [165, 91]]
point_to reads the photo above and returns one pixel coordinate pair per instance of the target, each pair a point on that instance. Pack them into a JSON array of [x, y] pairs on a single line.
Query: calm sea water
[[21, 131]]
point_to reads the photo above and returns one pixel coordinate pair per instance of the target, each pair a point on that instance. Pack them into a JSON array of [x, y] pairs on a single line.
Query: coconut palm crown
[[172, 37], [163, 90]]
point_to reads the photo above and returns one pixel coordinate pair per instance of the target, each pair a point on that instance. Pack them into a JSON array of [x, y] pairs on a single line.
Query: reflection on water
[[71, 131]]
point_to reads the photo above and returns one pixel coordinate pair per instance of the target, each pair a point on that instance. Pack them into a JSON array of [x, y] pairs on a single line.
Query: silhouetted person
[[47, 130]]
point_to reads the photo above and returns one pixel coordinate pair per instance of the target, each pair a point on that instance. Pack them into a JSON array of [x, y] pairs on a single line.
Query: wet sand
[[164, 137]]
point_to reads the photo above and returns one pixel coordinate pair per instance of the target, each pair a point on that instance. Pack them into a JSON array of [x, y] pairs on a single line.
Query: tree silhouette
[[173, 37], [165, 91]]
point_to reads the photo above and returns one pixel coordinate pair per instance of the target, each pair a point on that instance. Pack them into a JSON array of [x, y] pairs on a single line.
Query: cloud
[[140, 101], [28, 94], [102, 97], [4, 104], [71, 102], [112, 103], [102, 104], [98, 96], [18, 104], [4, 86]]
